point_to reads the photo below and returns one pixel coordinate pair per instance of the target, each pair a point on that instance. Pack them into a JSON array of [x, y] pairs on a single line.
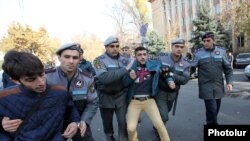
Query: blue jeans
[[212, 110]]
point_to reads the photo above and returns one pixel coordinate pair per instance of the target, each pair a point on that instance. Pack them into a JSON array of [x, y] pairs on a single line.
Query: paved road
[[188, 122]]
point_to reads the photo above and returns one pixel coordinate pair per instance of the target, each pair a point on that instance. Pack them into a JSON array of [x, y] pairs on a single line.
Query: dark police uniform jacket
[[181, 75], [81, 88], [46, 123], [109, 73], [211, 66], [87, 66]]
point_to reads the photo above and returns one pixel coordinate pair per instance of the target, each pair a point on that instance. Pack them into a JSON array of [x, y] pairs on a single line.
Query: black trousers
[[107, 121], [212, 110], [164, 106]]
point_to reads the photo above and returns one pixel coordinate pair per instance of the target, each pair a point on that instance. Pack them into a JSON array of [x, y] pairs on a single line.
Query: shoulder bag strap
[[30, 113]]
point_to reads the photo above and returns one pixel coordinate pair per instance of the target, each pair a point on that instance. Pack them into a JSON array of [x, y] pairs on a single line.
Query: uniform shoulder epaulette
[[86, 74], [186, 59], [221, 47], [7, 92], [58, 87], [122, 55], [163, 54], [101, 57], [50, 70], [197, 50]]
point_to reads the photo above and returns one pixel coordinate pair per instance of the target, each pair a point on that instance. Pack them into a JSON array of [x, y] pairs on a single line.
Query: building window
[[197, 6], [170, 10], [176, 7], [184, 21], [190, 6], [216, 9], [183, 7], [240, 41], [190, 19]]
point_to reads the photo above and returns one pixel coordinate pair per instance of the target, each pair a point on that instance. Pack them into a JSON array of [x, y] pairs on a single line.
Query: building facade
[[173, 18]]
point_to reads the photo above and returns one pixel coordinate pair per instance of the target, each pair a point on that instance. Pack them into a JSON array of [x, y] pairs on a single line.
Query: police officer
[[86, 65], [126, 51], [79, 83], [175, 72], [212, 62], [110, 67]]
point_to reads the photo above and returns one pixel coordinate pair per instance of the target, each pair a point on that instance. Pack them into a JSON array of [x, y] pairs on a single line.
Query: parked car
[[247, 71], [242, 59]]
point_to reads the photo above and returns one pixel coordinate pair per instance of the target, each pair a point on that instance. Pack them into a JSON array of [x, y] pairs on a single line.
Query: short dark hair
[[18, 64], [140, 48]]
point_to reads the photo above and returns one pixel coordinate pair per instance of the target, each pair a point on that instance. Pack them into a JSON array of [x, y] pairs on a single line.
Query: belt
[[142, 98]]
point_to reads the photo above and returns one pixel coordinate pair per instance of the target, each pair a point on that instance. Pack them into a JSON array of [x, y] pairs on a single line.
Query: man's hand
[[164, 71], [11, 125], [83, 127], [132, 74], [229, 87], [70, 131], [128, 67], [171, 84]]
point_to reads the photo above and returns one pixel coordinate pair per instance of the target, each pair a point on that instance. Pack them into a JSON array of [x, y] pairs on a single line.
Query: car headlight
[[247, 70]]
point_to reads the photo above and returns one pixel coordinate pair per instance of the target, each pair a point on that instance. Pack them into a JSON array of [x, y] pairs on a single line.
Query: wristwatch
[[78, 124]]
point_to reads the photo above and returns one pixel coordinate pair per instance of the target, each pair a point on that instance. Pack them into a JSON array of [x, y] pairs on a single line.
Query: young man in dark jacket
[[142, 82], [45, 122]]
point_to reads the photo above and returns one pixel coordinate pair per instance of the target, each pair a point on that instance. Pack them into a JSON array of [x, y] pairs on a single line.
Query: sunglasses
[[177, 46], [112, 46]]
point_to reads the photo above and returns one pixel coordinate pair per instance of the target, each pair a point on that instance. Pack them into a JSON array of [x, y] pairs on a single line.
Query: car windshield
[[243, 56]]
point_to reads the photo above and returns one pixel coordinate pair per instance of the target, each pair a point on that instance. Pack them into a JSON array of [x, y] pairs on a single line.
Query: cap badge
[[124, 61], [79, 83], [217, 52]]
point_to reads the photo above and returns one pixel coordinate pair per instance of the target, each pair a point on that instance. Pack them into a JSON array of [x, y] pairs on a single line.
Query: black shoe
[[110, 138]]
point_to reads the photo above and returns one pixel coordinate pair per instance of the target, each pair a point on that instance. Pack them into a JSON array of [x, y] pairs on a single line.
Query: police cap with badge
[[178, 41], [125, 47], [208, 35], [69, 46], [110, 40]]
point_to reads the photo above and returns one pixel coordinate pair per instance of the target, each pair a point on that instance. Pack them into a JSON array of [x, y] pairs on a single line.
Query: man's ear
[[15, 81], [58, 57]]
